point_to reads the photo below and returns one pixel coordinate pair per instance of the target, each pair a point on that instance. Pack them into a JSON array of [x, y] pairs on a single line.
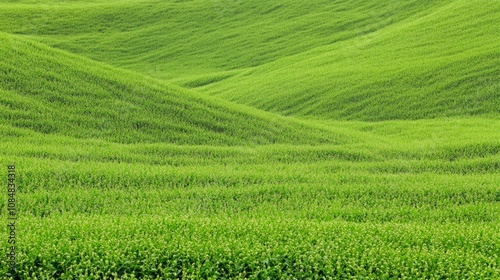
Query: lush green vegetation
[[242, 139], [176, 39], [439, 64], [54, 92]]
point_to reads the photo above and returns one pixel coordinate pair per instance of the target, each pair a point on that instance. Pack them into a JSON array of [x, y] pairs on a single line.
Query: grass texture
[[216, 139]]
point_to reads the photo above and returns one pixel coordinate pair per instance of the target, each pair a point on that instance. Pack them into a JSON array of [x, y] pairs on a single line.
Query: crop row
[[169, 246]]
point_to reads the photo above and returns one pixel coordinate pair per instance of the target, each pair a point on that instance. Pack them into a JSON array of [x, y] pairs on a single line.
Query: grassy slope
[[443, 63], [176, 39], [420, 204], [365, 60], [110, 198], [54, 92]]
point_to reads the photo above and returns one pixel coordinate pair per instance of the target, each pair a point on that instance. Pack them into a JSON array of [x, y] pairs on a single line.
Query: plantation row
[[242, 212], [278, 211], [453, 147], [389, 209], [353, 198], [173, 247]]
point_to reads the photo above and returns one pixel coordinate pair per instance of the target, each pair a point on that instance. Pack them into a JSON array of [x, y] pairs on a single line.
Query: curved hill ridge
[[179, 39], [53, 92], [340, 60], [147, 139]]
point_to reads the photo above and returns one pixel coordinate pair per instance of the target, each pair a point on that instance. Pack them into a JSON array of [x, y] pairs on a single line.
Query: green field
[[236, 139]]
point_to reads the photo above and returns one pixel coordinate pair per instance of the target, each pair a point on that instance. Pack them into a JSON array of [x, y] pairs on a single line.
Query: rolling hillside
[[245, 139], [444, 63], [54, 92], [186, 39], [364, 60]]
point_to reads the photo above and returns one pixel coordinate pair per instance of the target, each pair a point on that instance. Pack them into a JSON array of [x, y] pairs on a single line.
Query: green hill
[[365, 60], [247, 139], [54, 92], [444, 63], [179, 39]]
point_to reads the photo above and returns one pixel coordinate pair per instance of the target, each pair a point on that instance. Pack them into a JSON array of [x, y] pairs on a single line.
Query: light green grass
[[401, 208], [318, 140], [443, 63], [370, 60], [51, 91], [172, 39], [414, 205]]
